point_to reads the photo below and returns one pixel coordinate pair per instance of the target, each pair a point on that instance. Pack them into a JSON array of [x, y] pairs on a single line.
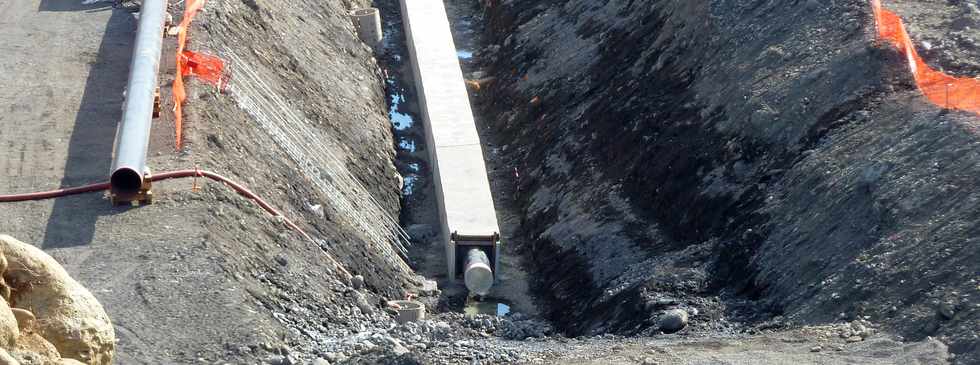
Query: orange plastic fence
[[207, 68], [204, 67], [941, 89]]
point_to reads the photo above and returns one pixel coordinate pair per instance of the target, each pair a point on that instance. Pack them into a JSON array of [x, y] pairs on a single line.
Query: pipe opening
[[126, 181], [478, 276]]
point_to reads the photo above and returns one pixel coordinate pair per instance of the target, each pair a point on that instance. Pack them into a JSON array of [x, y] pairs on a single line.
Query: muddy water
[[491, 306], [419, 214], [403, 111]]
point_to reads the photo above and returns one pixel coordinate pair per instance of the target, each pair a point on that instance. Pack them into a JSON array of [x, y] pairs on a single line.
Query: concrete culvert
[[368, 24], [407, 310]]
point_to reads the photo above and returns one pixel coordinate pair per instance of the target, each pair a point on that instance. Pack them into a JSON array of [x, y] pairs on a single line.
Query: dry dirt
[[197, 276]]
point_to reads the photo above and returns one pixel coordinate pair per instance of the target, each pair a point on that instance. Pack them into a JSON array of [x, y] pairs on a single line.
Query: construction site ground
[[204, 276]]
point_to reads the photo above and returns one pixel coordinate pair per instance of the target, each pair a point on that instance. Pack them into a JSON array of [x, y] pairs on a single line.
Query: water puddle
[[489, 306], [409, 187], [401, 103], [400, 121], [407, 144]]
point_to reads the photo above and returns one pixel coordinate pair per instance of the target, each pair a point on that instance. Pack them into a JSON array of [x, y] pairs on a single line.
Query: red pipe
[[54, 193], [175, 175], [158, 177]]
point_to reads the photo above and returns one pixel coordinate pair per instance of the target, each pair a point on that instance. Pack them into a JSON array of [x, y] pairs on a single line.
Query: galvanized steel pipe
[[133, 135]]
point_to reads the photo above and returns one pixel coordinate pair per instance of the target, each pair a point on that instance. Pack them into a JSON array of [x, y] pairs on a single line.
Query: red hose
[[54, 193], [158, 177], [176, 175]]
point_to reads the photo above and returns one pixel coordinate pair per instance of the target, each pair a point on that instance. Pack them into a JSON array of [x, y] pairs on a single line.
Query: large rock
[[673, 320], [9, 330], [67, 315]]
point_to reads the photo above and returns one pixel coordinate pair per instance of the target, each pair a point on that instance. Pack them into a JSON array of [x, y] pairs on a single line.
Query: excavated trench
[[419, 212], [757, 165]]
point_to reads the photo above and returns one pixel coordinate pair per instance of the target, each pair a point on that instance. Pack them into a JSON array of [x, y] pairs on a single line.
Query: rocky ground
[[202, 275], [762, 164], [946, 33]]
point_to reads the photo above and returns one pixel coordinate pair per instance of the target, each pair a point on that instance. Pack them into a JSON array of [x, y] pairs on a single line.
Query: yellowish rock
[[67, 315]]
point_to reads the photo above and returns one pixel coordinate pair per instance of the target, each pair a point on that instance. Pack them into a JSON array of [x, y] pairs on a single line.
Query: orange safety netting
[[941, 89], [207, 68]]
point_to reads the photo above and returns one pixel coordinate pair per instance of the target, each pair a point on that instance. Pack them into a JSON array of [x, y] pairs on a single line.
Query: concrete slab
[[459, 171]]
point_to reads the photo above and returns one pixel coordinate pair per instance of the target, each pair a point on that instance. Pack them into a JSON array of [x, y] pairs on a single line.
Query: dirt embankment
[[305, 123], [206, 276], [749, 162], [945, 33]]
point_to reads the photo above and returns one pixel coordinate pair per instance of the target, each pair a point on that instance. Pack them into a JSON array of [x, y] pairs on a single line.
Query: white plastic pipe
[[477, 273]]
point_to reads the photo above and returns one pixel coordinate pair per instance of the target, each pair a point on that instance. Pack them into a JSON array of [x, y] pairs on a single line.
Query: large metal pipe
[[133, 135], [477, 273]]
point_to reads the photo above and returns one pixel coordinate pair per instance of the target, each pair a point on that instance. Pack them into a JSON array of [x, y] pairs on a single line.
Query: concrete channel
[[468, 220]]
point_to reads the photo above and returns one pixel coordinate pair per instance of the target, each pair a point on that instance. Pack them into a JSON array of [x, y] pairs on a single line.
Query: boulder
[[61, 311]]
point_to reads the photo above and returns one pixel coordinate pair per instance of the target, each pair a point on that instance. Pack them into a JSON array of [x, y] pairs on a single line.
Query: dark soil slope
[[749, 160]]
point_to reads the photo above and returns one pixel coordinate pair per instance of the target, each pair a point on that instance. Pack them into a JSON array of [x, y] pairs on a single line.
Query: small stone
[[946, 311], [357, 282], [649, 361], [673, 320], [860, 330], [362, 303], [854, 339], [399, 350], [430, 287], [278, 360], [316, 209], [368, 345], [321, 361], [443, 327], [816, 349]]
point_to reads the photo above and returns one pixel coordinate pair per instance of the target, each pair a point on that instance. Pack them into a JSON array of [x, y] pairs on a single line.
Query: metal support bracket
[[156, 103], [142, 197]]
